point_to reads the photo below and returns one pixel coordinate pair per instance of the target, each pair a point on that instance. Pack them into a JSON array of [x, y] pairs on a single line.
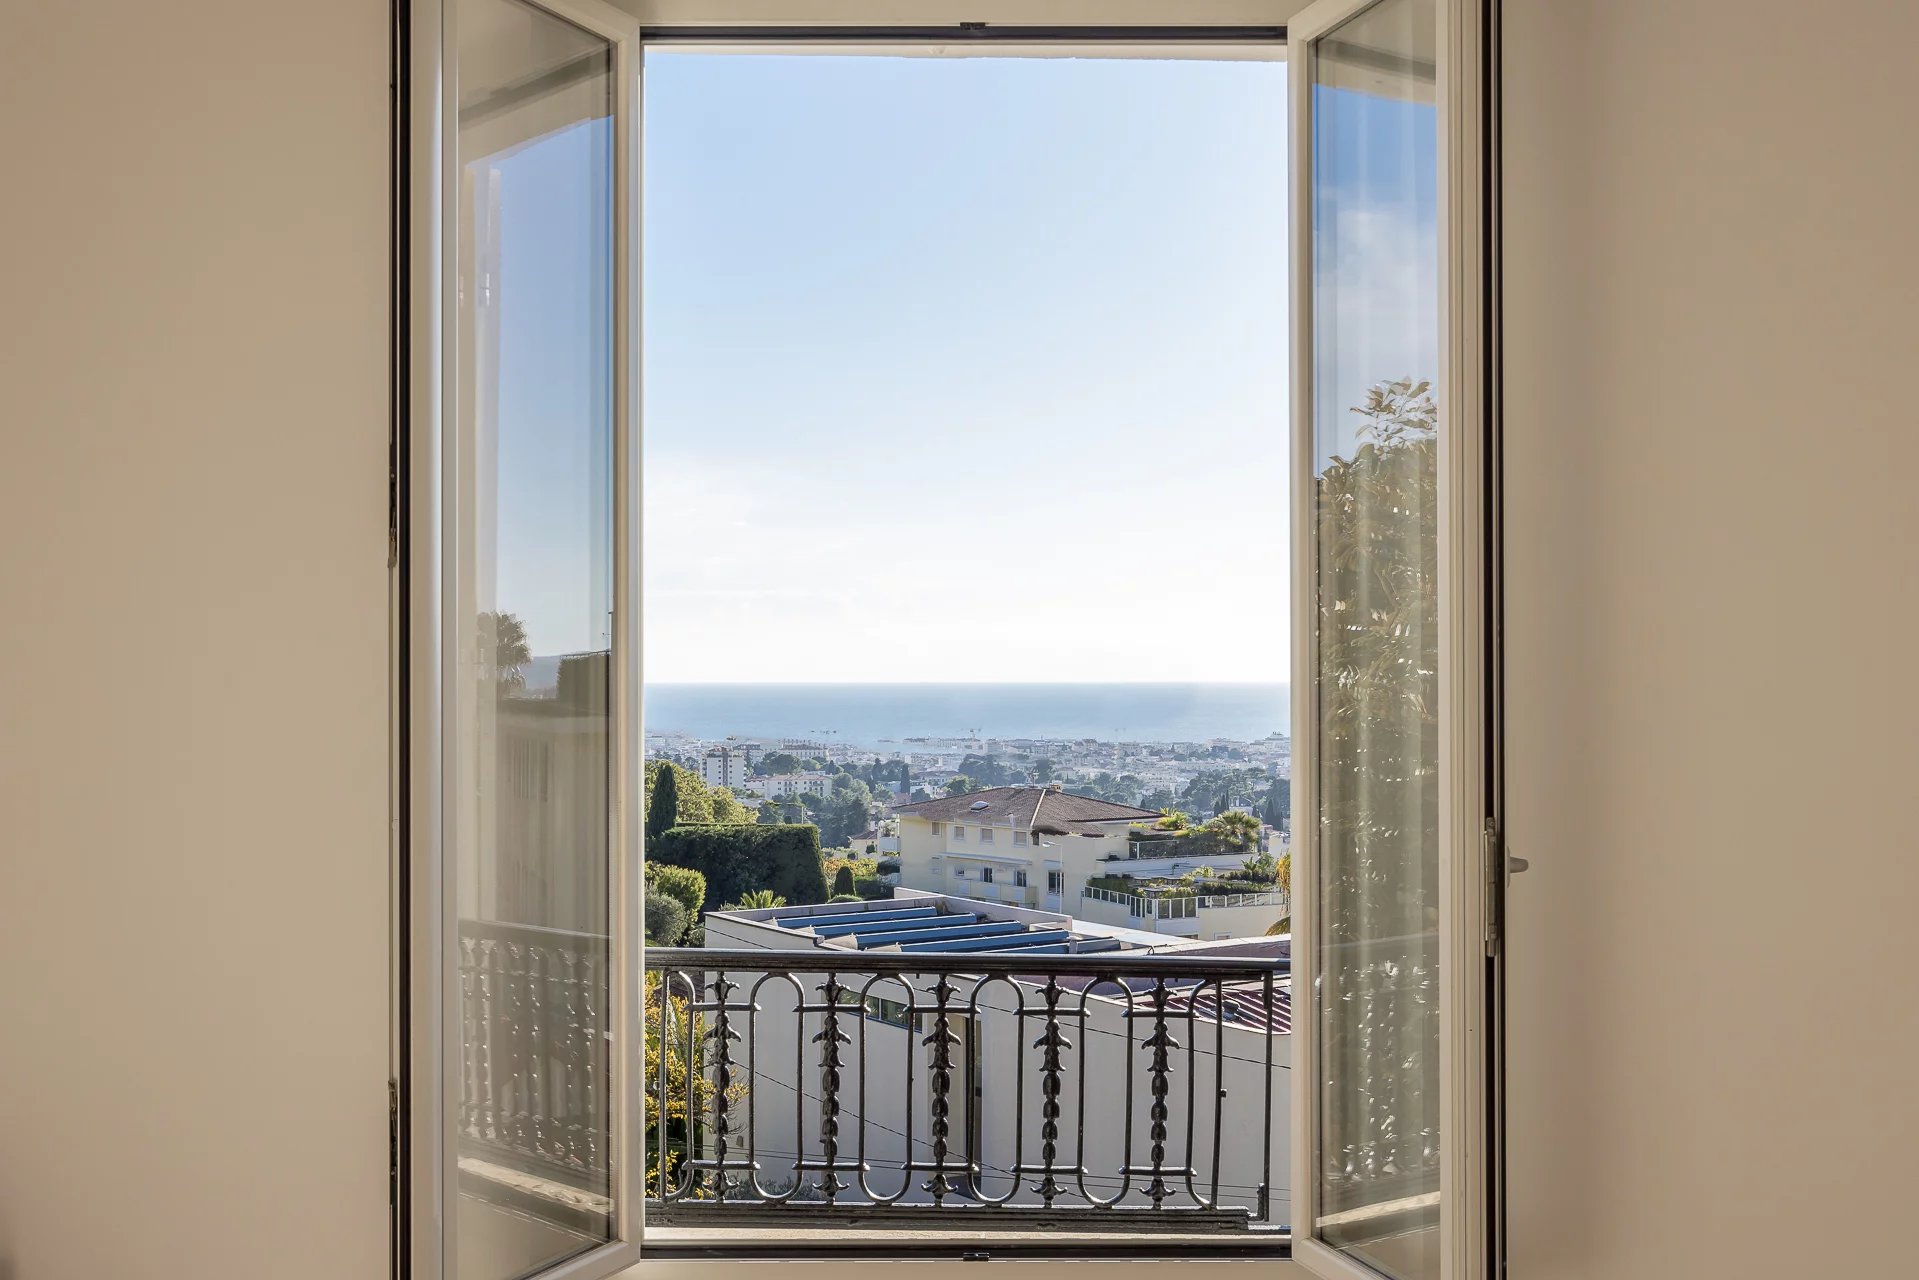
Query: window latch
[[1501, 867]]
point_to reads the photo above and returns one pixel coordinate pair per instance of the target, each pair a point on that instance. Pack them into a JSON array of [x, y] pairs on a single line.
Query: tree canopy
[[695, 801]]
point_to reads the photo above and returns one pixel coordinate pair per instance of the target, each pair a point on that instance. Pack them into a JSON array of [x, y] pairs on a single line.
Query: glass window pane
[[531, 477], [1375, 428]]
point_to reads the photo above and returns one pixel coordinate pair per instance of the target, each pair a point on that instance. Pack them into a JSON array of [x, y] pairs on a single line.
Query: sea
[[872, 715]]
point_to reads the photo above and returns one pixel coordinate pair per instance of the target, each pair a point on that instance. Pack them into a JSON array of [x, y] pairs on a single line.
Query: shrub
[[837, 858], [665, 920], [872, 888], [889, 866], [843, 881], [737, 858], [758, 900], [846, 897], [682, 884]]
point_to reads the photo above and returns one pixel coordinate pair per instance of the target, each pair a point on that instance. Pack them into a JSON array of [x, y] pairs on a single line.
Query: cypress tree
[[664, 809]]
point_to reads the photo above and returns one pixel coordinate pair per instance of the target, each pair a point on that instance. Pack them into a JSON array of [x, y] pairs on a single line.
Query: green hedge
[[737, 858]]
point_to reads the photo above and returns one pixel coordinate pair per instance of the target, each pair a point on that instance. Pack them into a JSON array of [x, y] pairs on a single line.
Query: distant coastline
[[872, 715]]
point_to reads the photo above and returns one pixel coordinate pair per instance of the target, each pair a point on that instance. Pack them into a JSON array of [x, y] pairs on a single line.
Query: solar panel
[[922, 938], [868, 927], [998, 942]]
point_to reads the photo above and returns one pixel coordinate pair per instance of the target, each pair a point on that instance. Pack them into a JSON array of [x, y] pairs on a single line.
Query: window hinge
[[393, 1140], [393, 500], [1494, 860]]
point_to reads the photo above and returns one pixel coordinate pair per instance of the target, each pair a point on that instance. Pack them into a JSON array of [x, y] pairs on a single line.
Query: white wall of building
[[780, 785], [928, 857]]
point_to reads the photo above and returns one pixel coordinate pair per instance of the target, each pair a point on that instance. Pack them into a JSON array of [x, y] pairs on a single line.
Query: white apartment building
[[780, 785], [1031, 846], [729, 765]]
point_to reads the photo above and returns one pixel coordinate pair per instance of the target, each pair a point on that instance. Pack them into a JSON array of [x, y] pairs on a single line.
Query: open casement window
[[518, 559], [532, 1022], [1393, 943]]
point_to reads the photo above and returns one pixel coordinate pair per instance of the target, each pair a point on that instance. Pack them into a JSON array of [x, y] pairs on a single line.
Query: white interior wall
[[1712, 283], [193, 776], [1711, 600]]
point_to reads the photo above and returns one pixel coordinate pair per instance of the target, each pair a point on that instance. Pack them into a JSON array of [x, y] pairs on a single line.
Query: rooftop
[[941, 924], [934, 923], [937, 923], [1044, 809]]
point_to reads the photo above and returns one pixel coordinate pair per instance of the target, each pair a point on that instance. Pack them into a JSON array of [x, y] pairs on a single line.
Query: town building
[[778, 786], [1031, 846], [729, 765], [1172, 907]]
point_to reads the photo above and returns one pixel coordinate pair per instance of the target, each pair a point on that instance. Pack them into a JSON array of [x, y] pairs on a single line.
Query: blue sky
[[954, 369], [965, 369]]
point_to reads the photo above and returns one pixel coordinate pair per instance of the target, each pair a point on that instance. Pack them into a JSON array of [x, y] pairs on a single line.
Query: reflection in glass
[[531, 472], [1375, 426]]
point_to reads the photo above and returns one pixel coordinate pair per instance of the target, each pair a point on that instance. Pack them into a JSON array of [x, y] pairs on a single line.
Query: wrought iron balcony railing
[[535, 1067], [931, 1091], [1105, 1091]]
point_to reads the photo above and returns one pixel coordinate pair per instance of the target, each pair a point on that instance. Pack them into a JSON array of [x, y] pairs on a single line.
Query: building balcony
[[1187, 915], [933, 1072], [874, 1089], [920, 1070]]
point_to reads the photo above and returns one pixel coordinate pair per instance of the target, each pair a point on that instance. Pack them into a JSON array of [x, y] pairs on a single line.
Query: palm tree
[[1236, 829], [511, 652], [756, 900]]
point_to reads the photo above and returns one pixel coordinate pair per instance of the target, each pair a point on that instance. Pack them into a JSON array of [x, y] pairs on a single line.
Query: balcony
[[1186, 915], [1009, 1090], [845, 1087]]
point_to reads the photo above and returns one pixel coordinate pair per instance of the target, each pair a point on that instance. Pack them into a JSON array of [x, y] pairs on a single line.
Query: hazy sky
[[965, 369]]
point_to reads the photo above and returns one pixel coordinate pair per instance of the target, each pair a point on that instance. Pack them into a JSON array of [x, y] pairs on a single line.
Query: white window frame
[[1465, 1243], [428, 1058], [431, 101], [986, 835]]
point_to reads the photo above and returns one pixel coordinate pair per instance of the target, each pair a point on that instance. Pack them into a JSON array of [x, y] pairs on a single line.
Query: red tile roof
[[1035, 808]]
